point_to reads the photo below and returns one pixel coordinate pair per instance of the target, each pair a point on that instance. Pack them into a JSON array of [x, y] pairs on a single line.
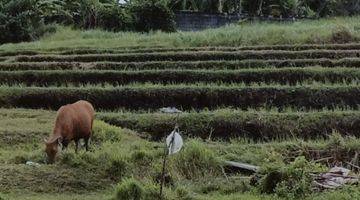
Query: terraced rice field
[[260, 93], [306, 78]]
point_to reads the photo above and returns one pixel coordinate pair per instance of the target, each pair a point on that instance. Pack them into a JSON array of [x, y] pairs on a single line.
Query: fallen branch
[[242, 166], [323, 159], [355, 166]]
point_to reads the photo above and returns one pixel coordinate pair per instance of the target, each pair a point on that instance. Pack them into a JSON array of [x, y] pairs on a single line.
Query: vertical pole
[[166, 153], [163, 170]]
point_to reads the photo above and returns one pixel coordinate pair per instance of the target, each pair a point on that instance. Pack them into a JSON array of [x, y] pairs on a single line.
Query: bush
[[130, 189], [20, 20], [151, 192], [152, 15], [291, 181], [104, 132], [117, 168], [114, 18], [342, 35], [195, 161], [182, 193]]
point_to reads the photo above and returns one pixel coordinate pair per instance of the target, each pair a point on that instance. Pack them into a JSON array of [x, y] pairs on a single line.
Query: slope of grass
[[225, 124], [181, 65], [291, 76], [264, 33], [117, 153], [84, 50], [261, 80], [193, 56], [187, 97]]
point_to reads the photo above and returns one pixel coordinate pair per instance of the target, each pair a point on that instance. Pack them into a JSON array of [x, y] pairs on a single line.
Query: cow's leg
[[76, 145], [65, 144], [86, 143]]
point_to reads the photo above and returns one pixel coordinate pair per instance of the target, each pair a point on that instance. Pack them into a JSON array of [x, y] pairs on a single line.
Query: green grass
[[181, 65], [263, 33], [56, 196], [279, 109], [187, 97], [291, 76], [193, 56], [118, 153], [260, 125], [84, 50]]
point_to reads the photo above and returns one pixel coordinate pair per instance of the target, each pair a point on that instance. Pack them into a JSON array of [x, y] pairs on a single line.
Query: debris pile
[[170, 110], [34, 164], [335, 178]]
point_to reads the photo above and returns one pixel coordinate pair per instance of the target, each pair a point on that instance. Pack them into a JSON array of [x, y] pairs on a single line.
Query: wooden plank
[[242, 166]]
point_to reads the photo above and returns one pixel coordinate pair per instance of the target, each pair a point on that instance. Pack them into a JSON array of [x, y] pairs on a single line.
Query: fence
[[194, 21]]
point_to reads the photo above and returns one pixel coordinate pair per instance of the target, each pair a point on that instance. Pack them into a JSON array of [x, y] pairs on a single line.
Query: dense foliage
[[25, 20], [152, 14], [277, 8], [20, 20]]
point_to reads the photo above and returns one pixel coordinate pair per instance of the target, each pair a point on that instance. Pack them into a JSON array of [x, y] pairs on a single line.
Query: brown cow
[[73, 122]]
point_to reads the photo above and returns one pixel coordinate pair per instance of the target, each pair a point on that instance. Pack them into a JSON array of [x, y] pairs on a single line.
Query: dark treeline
[[26, 20]]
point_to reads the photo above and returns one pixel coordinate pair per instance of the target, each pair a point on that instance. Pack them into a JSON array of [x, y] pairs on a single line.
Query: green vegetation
[[257, 125], [190, 56], [80, 51], [290, 76], [20, 20], [117, 153], [188, 96], [209, 65], [25, 20], [28, 18], [291, 109], [332, 30]]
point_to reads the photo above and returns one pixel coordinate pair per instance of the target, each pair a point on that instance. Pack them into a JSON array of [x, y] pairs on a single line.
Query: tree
[[20, 20]]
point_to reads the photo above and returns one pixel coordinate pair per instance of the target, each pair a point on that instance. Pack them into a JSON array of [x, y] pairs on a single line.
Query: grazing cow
[[73, 122]]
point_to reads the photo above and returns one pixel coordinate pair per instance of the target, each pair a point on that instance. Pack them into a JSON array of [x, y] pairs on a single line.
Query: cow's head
[[52, 147]]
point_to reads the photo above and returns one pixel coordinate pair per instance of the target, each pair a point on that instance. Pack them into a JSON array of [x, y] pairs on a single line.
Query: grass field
[[282, 96], [333, 30]]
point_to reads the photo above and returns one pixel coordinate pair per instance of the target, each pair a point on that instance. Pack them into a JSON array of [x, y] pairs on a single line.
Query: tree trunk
[[220, 8], [240, 7], [259, 11]]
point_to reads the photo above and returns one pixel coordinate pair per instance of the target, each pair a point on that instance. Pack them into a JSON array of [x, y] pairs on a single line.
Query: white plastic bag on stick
[[174, 142]]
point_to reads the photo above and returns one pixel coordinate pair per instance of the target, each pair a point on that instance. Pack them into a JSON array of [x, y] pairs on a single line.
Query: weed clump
[[105, 132], [116, 168], [196, 161], [182, 193], [342, 35], [291, 181], [336, 140], [141, 157], [82, 160], [130, 189]]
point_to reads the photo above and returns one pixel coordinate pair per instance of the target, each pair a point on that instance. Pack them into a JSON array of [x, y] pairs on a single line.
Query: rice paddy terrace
[[257, 92]]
